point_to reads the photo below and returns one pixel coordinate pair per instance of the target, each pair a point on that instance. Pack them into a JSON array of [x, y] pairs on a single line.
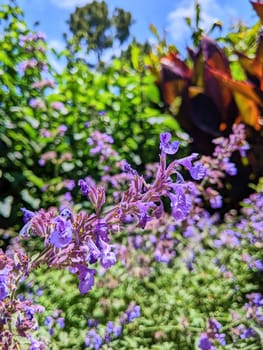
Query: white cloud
[[56, 44], [69, 4], [210, 11]]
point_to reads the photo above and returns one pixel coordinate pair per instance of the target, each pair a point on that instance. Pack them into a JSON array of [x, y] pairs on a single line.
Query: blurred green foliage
[[122, 100]]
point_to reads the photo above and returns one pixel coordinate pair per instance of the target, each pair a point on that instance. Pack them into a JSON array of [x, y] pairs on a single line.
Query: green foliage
[[122, 101]]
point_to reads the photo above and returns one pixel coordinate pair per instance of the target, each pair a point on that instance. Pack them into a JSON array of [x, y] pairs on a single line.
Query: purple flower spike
[[61, 233]]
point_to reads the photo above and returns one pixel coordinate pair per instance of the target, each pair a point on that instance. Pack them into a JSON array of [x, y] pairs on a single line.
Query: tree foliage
[[94, 28]]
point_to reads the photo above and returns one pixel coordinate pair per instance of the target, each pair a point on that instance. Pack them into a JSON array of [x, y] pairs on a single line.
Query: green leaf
[[135, 52], [154, 30], [37, 181]]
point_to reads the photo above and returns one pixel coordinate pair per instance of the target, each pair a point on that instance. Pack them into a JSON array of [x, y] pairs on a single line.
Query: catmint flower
[[93, 339], [117, 330], [36, 344], [61, 232], [27, 215], [92, 322], [4, 291], [258, 264], [69, 184], [36, 103], [132, 312], [204, 343], [45, 133], [108, 258], [62, 129], [85, 188], [216, 201], [166, 146], [94, 252], [57, 106], [61, 322], [229, 167], [179, 204], [28, 64], [110, 327], [126, 168], [101, 230], [86, 278], [197, 171], [43, 83], [244, 332]]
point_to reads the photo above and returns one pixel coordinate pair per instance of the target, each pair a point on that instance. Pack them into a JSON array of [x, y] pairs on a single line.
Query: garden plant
[[121, 223]]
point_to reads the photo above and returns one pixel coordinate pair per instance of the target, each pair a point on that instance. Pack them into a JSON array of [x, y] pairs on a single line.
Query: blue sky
[[164, 14]]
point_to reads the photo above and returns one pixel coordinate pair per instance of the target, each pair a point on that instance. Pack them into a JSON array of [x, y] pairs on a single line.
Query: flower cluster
[[78, 241], [211, 336], [220, 164], [94, 340], [16, 314]]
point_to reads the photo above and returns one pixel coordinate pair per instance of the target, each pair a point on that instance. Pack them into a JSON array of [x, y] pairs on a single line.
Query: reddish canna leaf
[[214, 57], [251, 67], [175, 77], [259, 58], [258, 7], [251, 95]]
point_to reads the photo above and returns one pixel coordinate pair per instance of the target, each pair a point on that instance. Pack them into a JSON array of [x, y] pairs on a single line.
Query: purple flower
[[230, 167], [86, 278], [143, 213], [36, 103], [258, 264], [3, 289], [93, 339], [204, 342], [69, 184], [85, 188], [101, 230], [36, 345], [61, 232], [166, 146], [198, 171], [57, 105], [93, 251], [48, 321], [108, 258], [92, 322], [133, 311], [245, 332], [27, 215], [117, 330], [179, 204], [110, 327], [126, 168], [61, 322], [216, 202], [62, 129]]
